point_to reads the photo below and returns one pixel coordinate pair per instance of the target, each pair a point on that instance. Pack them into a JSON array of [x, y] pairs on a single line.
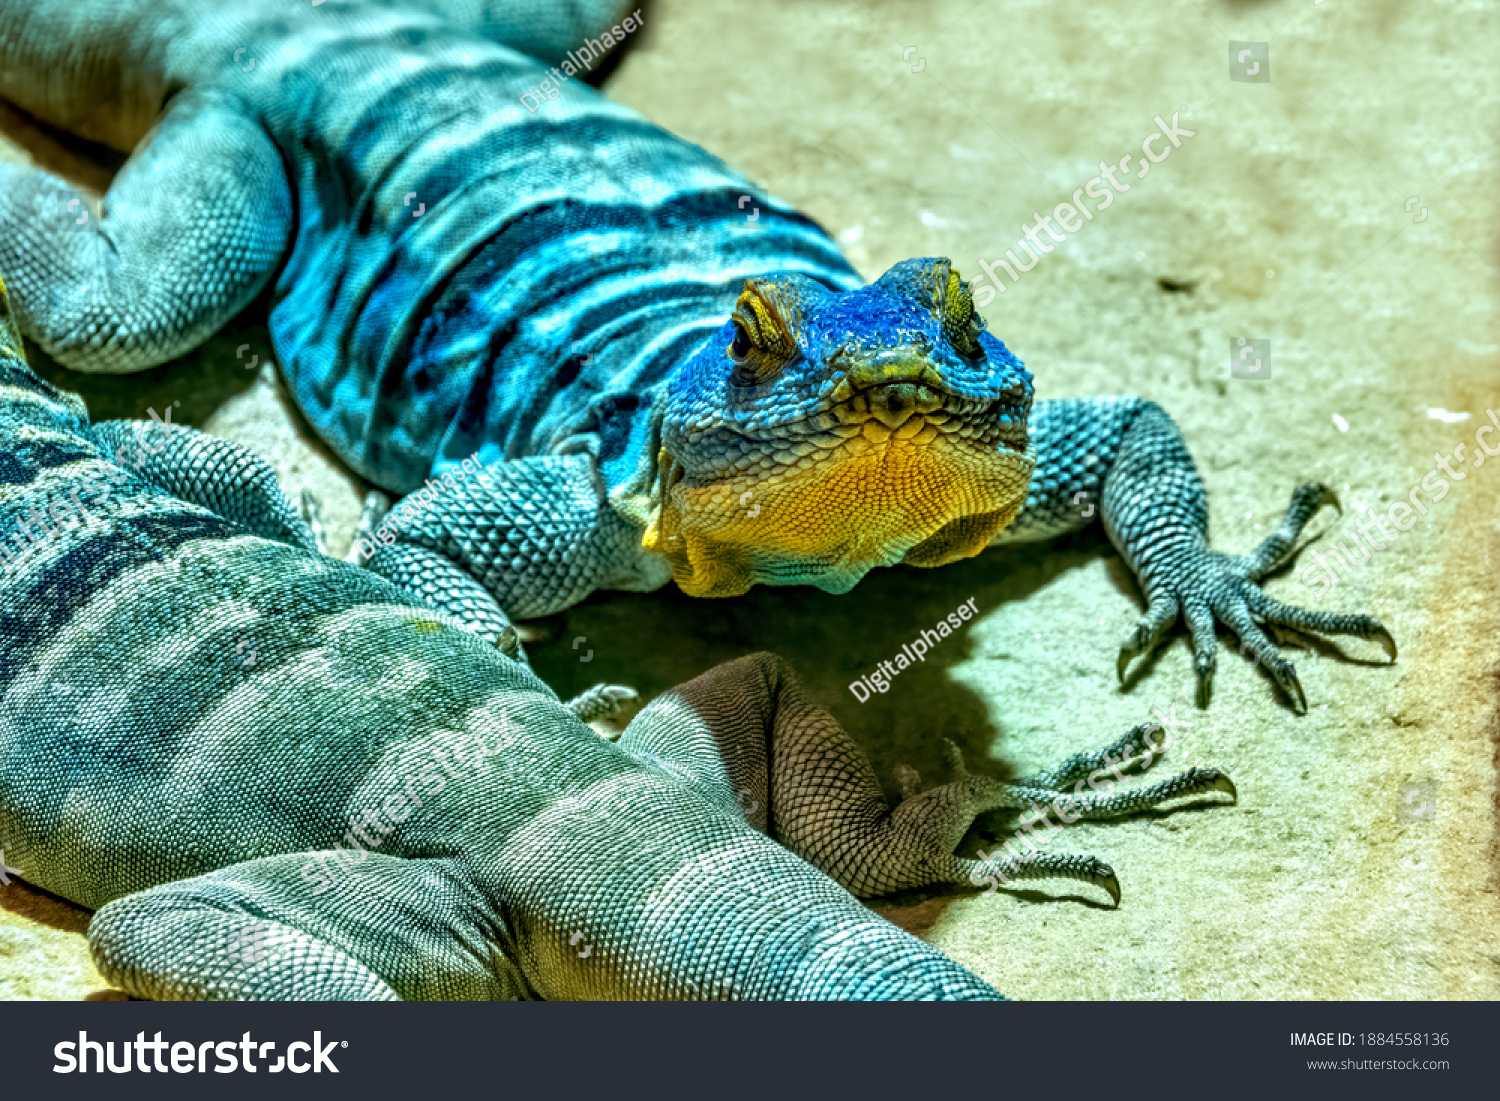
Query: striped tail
[[95, 69]]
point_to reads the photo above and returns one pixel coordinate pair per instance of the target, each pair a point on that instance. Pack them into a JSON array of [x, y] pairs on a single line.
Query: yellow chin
[[849, 510]]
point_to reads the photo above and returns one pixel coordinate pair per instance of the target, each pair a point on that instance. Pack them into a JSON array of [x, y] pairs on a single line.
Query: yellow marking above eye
[[766, 316], [957, 305], [955, 308]]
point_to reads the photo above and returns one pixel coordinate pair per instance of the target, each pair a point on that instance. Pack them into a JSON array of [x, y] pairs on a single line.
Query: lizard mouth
[[922, 415], [909, 454], [896, 394], [827, 521]]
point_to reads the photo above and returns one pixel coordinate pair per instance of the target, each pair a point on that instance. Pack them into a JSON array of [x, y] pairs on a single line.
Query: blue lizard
[[658, 383]]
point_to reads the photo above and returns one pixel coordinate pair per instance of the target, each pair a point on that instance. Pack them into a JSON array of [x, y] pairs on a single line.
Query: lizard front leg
[[523, 538], [535, 535], [1122, 459]]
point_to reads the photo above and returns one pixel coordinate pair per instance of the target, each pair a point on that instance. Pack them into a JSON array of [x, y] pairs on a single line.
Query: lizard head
[[818, 435]]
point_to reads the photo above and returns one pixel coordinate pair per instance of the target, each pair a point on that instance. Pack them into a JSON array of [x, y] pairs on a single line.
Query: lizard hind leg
[[747, 734], [163, 948]]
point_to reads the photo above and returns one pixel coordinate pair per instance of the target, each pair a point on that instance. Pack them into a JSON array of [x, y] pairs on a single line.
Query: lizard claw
[[1110, 882], [1387, 643], [1148, 631], [1208, 586], [1225, 784], [1286, 679]]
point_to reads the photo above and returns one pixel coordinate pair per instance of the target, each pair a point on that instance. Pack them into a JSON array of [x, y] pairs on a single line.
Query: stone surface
[[1361, 859]]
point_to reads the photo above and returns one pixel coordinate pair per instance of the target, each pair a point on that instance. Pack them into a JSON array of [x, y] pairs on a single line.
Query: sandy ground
[[1361, 859]]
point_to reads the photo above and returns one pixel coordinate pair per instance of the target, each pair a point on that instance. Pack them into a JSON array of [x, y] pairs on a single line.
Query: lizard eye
[[763, 343], [740, 347], [976, 326]]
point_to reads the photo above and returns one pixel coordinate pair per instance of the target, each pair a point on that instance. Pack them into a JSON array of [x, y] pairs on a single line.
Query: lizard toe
[[1324, 623], [1307, 500], [1263, 652], [1148, 631], [1200, 621]]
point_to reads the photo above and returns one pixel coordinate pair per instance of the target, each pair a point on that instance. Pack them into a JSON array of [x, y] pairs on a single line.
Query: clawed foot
[[1204, 585], [1047, 795]]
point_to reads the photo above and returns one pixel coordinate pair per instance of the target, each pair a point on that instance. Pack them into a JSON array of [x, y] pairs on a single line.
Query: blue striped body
[[472, 277]]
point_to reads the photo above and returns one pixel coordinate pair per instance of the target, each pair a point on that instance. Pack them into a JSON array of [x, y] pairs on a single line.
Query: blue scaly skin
[[664, 371], [277, 776]]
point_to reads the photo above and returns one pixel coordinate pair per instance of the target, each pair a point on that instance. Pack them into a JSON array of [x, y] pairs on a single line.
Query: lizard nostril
[[893, 404]]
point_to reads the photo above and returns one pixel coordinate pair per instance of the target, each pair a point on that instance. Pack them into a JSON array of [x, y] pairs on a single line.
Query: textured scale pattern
[[94, 305], [212, 801], [657, 383], [373, 803], [222, 476], [528, 532], [238, 748]]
